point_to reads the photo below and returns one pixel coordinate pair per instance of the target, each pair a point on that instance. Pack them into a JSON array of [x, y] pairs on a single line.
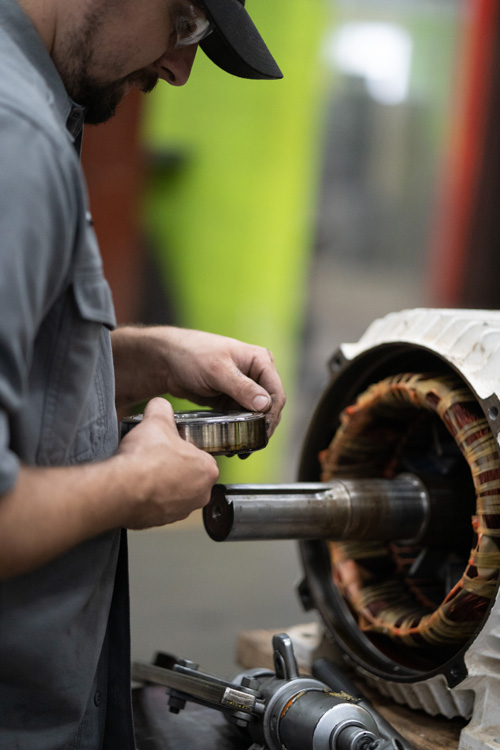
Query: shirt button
[[98, 698]]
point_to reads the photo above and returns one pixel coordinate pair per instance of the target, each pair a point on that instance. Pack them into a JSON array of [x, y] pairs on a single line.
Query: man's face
[[117, 44]]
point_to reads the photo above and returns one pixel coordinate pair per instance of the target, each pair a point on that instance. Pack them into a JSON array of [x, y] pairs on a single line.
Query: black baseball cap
[[235, 45]]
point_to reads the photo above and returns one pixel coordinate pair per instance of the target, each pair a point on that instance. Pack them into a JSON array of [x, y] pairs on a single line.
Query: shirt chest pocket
[[79, 394], [93, 300]]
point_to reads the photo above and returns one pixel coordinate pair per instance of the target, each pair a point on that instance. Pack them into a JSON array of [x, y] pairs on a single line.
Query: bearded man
[[68, 488]]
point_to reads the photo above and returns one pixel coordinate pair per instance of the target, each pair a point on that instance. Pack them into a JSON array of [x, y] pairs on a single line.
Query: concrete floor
[[191, 596]]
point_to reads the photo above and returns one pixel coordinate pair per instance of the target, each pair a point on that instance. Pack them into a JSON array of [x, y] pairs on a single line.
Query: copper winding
[[372, 577]]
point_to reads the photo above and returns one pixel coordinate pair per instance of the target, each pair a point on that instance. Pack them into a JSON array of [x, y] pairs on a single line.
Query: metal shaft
[[342, 509]]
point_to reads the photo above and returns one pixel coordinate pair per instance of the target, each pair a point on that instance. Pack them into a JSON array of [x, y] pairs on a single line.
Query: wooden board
[[254, 649]]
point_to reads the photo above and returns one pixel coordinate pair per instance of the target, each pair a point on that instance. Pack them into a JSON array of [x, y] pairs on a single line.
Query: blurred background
[[291, 214]]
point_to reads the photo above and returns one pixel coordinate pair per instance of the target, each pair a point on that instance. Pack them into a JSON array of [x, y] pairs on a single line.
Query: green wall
[[230, 213]]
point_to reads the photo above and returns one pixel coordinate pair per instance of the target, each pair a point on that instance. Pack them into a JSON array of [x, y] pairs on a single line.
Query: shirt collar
[[22, 31]]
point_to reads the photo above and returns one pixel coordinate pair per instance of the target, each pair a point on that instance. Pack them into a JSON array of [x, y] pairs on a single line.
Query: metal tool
[[217, 433], [354, 509], [280, 709], [326, 671]]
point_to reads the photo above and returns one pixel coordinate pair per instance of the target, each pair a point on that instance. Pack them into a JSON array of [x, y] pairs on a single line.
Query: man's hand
[[207, 369], [174, 477], [155, 478]]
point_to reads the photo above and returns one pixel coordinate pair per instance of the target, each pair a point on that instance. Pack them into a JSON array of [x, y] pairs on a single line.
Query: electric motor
[[419, 394]]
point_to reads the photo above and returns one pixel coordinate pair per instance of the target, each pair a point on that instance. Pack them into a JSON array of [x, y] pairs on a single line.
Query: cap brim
[[235, 45]]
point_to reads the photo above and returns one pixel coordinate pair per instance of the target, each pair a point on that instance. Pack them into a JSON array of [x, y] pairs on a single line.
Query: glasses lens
[[191, 26]]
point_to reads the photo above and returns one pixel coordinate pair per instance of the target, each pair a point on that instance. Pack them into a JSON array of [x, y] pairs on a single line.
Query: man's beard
[[100, 99]]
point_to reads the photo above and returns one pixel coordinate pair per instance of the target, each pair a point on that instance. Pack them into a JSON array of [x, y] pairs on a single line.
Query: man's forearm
[[51, 510], [141, 365]]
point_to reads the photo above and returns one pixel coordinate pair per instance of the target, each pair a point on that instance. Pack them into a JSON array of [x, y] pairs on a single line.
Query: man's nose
[[175, 65]]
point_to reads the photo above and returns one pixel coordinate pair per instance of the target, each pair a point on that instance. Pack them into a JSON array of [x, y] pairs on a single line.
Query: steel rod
[[342, 509]]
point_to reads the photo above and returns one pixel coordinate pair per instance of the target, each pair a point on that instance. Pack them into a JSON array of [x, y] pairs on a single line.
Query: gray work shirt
[[56, 408]]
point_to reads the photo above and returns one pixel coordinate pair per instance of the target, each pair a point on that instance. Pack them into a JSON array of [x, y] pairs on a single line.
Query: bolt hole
[[493, 412]]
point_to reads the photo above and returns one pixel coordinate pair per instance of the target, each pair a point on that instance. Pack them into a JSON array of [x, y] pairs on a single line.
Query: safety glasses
[[191, 25]]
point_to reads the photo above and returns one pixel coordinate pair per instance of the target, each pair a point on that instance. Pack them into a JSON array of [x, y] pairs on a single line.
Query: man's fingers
[[261, 402], [159, 407], [245, 391], [265, 374], [252, 396], [159, 411]]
